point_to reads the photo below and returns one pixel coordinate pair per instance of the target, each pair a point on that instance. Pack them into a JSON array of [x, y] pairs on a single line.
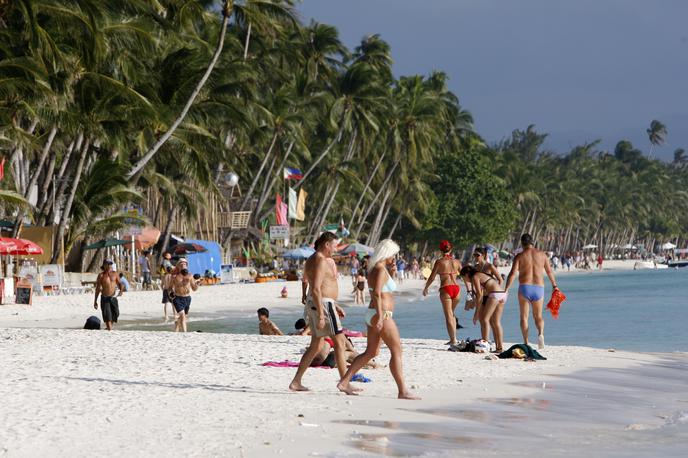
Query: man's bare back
[[531, 264]]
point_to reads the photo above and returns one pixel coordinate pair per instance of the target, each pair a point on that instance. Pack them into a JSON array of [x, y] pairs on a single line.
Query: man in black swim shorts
[[106, 283]]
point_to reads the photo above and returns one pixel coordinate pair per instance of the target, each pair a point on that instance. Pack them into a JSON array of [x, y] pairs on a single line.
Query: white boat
[[639, 265]]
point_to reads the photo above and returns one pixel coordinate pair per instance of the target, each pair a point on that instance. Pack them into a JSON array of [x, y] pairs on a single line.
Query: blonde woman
[[379, 319]]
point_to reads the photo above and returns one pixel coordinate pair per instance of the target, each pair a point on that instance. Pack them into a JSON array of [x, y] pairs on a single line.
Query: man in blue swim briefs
[[530, 264]]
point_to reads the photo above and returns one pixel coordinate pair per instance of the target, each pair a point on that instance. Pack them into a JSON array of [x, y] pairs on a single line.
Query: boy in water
[[265, 326]]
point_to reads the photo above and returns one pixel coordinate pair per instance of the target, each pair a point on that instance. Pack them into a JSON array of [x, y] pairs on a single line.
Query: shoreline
[[207, 394], [71, 311]]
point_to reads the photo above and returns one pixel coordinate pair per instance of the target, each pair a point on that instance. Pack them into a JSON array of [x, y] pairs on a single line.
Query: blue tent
[[298, 253], [210, 260]]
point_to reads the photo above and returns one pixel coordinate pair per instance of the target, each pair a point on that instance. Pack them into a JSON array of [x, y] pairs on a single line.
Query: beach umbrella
[[188, 248], [7, 245], [357, 248], [298, 253], [668, 246], [106, 243], [490, 248], [589, 247], [26, 248], [504, 254]]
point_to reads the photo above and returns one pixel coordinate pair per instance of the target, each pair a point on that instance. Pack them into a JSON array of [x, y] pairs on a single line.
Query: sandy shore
[[85, 393]]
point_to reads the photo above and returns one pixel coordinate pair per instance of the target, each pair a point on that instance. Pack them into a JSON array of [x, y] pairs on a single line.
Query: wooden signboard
[[24, 292]]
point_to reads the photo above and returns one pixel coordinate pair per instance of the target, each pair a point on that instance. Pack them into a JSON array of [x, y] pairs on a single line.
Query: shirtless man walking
[[106, 283], [322, 311], [530, 264], [182, 284]]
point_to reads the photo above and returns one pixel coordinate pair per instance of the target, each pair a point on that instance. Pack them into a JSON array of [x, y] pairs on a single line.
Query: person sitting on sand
[[447, 268], [265, 326], [379, 318], [106, 283], [489, 299]]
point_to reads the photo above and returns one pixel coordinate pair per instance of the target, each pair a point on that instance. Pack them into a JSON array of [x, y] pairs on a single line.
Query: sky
[[579, 70]]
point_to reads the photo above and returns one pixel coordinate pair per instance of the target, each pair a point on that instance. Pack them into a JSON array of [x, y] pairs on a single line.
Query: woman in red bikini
[[447, 268]]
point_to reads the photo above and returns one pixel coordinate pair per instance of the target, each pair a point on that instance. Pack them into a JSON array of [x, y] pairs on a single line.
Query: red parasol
[[7, 245], [27, 248]]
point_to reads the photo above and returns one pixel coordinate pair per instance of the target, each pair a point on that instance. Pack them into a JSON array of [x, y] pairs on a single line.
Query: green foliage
[[473, 204]]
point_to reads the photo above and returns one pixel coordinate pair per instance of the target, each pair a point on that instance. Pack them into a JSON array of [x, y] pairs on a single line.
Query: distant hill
[[677, 128]]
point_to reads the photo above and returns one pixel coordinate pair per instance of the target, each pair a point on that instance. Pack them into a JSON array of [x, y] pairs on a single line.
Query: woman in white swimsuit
[[381, 325], [489, 299]]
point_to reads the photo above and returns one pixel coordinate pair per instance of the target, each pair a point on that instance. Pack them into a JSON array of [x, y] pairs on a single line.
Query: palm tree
[[656, 134]]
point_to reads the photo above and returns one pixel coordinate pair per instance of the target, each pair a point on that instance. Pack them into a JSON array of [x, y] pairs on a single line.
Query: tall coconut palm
[[656, 134]]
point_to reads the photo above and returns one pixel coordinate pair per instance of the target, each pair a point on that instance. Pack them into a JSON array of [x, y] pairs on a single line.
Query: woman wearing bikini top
[[379, 318], [490, 299], [447, 268]]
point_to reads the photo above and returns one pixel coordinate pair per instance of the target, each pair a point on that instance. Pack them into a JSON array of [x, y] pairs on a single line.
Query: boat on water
[[677, 264], [640, 265]]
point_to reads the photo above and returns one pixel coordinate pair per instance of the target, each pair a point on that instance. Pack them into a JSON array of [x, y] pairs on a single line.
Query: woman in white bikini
[[490, 299], [381, 325]]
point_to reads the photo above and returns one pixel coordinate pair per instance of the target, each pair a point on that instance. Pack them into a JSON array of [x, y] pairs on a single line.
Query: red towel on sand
[[288, 364], [555, 302]]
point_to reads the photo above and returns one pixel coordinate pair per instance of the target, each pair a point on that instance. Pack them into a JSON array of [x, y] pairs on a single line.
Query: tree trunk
[[34, 178], [45, 185], [334, 141], [266, 193], [372, 203], [248, 39], [68, 205], [365, 189], [326, 211], [258, 174], [135, 171], [167, 232], [370, 240], [394, 227], [60, 180]]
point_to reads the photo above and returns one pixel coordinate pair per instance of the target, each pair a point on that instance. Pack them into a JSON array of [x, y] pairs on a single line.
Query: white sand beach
[[71, 392], [86, 393]]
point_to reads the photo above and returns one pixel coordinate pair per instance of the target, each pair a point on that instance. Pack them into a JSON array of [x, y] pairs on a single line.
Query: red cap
[[445, 245]]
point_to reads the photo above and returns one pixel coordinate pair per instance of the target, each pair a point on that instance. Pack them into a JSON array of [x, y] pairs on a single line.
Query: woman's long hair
[[387, 248]]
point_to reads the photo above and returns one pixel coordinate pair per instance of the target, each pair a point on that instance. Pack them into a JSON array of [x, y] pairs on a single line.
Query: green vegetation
[[152, 102]]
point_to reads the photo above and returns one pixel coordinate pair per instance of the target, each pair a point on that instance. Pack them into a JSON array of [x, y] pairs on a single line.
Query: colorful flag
[[301, 205], [292, 204], [281, 212], [292, 174]]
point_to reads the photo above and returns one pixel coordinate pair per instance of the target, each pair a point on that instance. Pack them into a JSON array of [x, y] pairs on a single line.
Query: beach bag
[[482, 346], [555, 302], [92, 322], [470, 300]]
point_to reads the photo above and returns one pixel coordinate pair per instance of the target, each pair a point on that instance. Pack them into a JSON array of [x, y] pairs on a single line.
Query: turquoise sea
[[644, 310]]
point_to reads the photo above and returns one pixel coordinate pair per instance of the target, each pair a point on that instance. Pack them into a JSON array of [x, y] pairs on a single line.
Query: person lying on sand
[[265, 326]]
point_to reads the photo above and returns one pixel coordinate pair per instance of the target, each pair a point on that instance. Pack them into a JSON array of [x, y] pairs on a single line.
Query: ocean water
[[644, 310]]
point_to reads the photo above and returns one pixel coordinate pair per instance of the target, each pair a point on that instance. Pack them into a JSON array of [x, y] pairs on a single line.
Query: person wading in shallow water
[[106, 283], [530, 264], [447, 268]]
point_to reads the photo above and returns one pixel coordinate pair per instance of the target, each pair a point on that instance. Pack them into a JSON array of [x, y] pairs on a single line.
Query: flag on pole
[[292, 204], [281, 212], [292, 174], [301, 205]]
